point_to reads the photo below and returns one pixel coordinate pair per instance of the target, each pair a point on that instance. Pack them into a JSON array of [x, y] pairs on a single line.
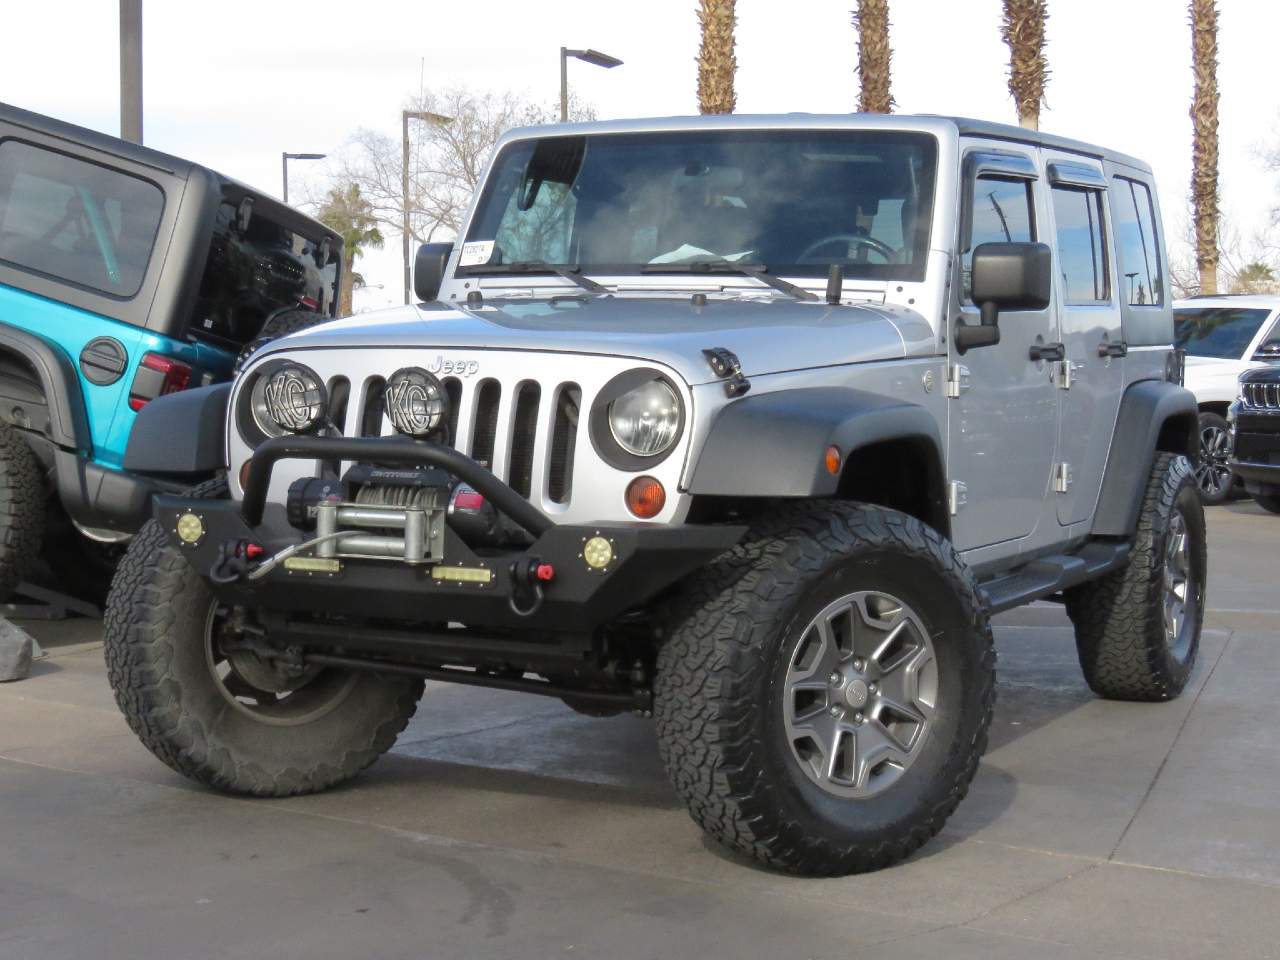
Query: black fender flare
[[773, 444], [1154, 415], [68, 418], [180, 434]]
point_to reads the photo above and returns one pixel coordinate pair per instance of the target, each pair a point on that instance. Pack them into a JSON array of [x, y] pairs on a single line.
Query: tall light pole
[[284, 166], [405, 117], [594, 57], [131, 70]]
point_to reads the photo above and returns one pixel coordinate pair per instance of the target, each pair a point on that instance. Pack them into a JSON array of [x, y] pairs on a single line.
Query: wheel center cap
[[855, 693]]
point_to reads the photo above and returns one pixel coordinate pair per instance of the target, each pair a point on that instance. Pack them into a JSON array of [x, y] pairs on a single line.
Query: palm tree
[[1204, 149], [1023, 31], [871, 20], [716, 62], [350, 215]]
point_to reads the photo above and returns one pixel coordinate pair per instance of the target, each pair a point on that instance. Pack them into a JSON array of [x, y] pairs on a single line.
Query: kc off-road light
[[416, 402], [646, 421], [288, 398]]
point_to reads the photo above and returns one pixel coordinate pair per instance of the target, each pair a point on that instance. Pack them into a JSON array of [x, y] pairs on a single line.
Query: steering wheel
[[810, 253]]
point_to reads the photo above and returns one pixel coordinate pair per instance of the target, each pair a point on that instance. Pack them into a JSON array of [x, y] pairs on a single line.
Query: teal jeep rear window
[[76, 221]]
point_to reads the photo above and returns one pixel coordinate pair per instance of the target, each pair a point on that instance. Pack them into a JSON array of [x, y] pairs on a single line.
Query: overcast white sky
[[231, 84]]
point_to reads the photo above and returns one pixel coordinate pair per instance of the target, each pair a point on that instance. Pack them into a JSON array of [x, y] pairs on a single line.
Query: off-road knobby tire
[[154, 646], [21, 510], [1268, 501], [720, 726], [280, 324], [1119, 618]]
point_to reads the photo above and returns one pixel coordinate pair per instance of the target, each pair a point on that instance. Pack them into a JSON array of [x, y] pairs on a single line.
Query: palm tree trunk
[[347, 284], [716, 62], [874, 53], [1023, 31], [1204, 150]]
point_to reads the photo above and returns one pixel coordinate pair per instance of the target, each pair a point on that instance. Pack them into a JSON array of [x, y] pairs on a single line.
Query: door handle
[[1047, 351], [1120, 349]]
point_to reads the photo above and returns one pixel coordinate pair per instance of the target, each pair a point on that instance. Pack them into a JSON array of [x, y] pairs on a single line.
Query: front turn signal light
[[646, 497]]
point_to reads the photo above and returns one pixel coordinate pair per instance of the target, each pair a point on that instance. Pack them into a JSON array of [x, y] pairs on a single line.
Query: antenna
[[835, 284]]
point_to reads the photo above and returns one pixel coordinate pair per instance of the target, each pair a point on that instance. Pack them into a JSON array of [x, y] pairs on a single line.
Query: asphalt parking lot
[[508, 826]]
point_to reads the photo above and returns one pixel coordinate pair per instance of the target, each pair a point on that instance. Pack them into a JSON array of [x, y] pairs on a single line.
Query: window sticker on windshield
[[475, 253]]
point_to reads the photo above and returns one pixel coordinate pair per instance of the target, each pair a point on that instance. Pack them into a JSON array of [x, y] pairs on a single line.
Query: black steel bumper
[[645, 558]]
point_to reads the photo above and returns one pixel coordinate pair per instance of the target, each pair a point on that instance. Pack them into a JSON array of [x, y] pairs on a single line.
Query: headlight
[[288, 398], [416, 402], [645, 421]]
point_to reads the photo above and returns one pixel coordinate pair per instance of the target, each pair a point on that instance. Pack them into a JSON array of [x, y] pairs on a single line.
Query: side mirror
[[428, 269], [1005, 276]]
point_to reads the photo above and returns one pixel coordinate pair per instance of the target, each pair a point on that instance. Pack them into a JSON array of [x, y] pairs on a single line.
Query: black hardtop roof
[[165, 162], [1004, 131]]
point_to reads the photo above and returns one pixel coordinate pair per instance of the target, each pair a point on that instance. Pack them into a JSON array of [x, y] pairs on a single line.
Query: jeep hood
[[768, 335]]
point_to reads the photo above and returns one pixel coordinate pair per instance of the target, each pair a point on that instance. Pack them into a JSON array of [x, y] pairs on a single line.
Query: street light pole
[[131, 70], [284, 167], [593, 57], [405, 117]]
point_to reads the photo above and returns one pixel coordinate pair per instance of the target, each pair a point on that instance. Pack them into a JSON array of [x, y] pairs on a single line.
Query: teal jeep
[[125, 274]]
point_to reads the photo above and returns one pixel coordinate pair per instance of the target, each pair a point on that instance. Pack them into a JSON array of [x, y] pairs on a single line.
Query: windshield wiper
[[570, 272], [757, 271]]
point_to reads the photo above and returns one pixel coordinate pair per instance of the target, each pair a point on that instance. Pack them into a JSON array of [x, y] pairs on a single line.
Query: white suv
[[1223, 337]]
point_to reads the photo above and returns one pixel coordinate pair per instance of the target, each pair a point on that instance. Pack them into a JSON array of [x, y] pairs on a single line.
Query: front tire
[[224, 716], [21, 510], [1138, 628], [824, 695], [1213, 473]]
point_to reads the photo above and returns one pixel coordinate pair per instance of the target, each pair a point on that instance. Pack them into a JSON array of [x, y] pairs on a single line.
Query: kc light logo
[[415, 401], [455, 368]]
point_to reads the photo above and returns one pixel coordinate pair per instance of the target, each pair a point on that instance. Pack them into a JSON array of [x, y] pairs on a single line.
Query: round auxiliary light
[[646, 421], [190, 528], [416, 402], [291, 398], [598, 553]]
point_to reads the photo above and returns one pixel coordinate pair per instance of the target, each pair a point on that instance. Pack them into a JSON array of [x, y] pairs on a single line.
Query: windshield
[[794, 202], [1222, 332]]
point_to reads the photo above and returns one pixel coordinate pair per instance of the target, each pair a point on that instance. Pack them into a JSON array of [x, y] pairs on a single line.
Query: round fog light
[[646, 497], [190, 528], [598, 553]]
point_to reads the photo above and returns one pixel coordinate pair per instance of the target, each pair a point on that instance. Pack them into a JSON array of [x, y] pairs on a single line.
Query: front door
[[1091, 378], [1002, 425]]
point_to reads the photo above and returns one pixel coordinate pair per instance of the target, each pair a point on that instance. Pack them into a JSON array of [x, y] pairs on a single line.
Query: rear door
[[1090, 378]]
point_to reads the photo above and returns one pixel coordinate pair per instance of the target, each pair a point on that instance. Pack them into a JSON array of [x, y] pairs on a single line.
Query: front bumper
[[1255, 445], [646, 558]]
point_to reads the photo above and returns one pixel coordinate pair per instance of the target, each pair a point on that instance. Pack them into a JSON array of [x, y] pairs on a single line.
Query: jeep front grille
[[1263, 396], [522, 414]]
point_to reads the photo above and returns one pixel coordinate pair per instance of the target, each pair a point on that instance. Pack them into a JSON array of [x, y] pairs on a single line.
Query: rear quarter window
[[76, 221]]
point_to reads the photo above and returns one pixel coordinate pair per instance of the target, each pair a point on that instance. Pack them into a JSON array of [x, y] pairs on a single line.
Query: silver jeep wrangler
[[745, 423]]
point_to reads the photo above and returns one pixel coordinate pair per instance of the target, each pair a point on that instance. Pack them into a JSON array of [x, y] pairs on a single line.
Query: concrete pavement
[[508, 826]]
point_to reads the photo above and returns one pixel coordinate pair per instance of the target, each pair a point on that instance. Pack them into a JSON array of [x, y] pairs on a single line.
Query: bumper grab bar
[[390, 450]]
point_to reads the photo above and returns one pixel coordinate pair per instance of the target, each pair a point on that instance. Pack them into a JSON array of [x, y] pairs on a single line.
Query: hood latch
[[724, 364]]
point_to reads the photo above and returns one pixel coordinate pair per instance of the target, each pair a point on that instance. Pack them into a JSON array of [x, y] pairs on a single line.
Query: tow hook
[[233, 561], [528, 576]]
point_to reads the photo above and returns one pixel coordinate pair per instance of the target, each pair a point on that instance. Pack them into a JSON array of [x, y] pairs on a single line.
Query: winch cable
[[266, 566]]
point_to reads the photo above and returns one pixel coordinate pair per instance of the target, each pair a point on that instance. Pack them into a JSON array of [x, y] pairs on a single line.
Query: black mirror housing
[[1012, 276], [428, 269]]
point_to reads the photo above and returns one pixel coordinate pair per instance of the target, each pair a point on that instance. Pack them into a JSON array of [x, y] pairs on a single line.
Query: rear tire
[[772, 726], [21, 510], [164, 650], [1132, 643], [1268, 501]]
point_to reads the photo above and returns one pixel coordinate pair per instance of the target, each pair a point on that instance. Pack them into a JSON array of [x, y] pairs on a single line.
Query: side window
[[1136, 246], [74, 220], [1082, 253], [1001, 212]]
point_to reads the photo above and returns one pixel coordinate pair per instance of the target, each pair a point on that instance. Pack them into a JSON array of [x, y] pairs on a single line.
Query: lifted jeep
[[748, 423], [125, 274]]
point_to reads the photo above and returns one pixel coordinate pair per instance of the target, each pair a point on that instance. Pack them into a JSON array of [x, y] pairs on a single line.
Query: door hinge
[[957, 380], [1061, 477], [957, 496]]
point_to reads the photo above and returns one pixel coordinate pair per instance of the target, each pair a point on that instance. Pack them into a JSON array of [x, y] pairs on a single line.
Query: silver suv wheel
[[1180, 593], [859, 694]]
